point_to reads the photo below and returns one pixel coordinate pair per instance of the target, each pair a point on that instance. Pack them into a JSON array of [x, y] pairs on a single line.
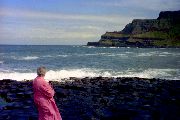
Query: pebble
[[97, 98]]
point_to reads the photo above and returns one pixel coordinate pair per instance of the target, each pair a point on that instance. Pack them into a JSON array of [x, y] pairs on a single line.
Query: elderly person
[[43, 97]]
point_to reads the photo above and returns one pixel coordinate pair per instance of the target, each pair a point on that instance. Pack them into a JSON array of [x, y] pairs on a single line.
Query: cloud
[[33, 26], [37, 27], [49, 34], [62, 16], [154, 5]]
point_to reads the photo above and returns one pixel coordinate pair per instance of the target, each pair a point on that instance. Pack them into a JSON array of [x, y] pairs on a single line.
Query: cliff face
[[172, 15], [139, 26], [161, 32]]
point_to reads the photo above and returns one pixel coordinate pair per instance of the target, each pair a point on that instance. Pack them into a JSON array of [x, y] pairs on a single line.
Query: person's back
[[42, 89], [43, 99]]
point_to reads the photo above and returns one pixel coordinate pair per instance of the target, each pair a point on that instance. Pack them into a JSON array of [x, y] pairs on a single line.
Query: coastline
[[132, 46], [96, 98], [162, 32]]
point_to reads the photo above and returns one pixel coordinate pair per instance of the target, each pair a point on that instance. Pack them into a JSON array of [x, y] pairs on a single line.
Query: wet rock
[[98, 98]]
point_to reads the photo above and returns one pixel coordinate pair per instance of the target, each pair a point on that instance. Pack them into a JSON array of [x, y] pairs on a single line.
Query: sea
[[20, 62]]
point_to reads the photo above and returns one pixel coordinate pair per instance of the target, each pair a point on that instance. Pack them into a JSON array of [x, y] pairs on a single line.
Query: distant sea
[[19, 62]]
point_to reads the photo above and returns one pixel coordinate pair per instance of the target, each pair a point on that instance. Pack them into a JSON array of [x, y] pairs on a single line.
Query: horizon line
[[42, 44]]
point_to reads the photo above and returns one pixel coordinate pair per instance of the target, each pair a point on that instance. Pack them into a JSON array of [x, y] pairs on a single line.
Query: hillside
[[161, 32]]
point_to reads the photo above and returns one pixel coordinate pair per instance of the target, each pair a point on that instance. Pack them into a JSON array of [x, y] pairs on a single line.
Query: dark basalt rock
[[98, 98]]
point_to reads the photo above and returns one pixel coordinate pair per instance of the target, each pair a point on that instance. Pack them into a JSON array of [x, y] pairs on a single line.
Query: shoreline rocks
[[98, 98]]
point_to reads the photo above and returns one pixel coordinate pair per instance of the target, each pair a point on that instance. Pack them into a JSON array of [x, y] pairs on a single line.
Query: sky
[[72, 22]]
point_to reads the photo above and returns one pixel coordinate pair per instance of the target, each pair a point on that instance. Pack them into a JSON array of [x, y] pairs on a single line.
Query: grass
[[115, 34], [153, 34], [175, 43]]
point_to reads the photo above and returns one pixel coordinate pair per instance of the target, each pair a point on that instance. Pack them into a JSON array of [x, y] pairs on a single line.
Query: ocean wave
[[117, 55], [128, 52], [30, 58], [100, 47], [152, 73], [79, 73], [25, 58], [48, 56], [89, 54], [97, 54], [62, 55], [147, 54], [166, 53], [170, 54], [113, 47], [17, 76], [93, 54], [56, 75], [157, 53], [1, 62], [91, 47], [77, 46]]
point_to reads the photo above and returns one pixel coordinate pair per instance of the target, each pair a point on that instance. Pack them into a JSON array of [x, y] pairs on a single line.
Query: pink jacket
[[44, 101]]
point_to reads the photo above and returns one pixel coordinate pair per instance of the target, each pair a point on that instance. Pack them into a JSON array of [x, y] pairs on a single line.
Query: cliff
[[161, 32]]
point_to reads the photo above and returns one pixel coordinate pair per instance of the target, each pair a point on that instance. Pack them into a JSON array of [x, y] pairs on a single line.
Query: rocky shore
[[163, 32], [97, 98]]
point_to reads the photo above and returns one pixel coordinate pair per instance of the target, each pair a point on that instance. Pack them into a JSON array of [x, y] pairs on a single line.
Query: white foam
[[104, 53], [87, 54], [118, 55], [101, 54], [128, 52], [25, 58], [87, 72], [94, 54], [63, 55], [147, 54], [48, 56], [162, 55], [151, 73], [112, 47], [79, 73], [157, 53], [90, 54], [17, 76], [167, 53], [30, 58], [55, 75], [1, 62], [91, 47]]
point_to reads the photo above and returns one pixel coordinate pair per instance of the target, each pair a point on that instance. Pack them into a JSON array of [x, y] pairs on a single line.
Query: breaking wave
[[25, 58], [157, 53], [171, 74]]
